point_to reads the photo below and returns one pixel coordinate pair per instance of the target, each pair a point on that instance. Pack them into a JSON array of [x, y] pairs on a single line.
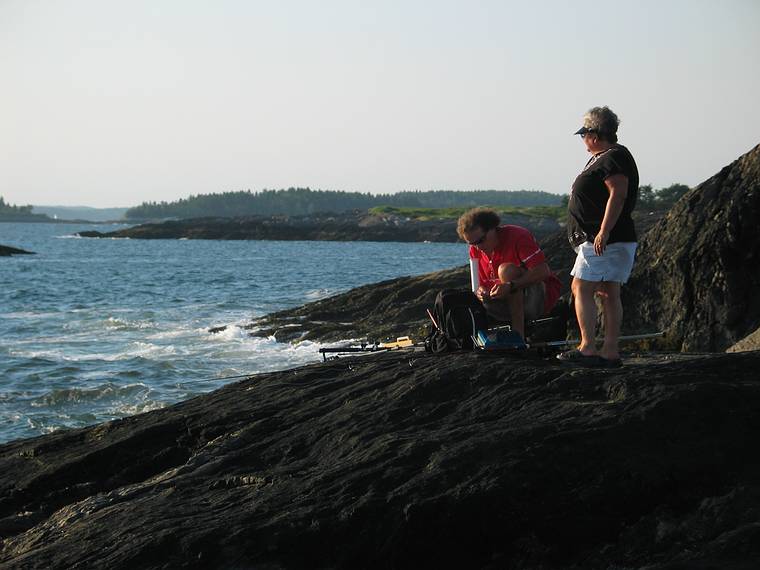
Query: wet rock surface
[[355, 226], [6, 251], [407, 460]]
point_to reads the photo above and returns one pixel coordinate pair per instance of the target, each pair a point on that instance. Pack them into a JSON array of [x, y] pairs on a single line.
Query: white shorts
[[615, 264]]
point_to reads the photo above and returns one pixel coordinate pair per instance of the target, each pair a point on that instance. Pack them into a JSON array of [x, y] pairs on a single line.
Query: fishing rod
[[400, 342], [559, 343]]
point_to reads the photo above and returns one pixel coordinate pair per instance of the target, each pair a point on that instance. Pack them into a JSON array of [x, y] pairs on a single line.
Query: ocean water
[[98, 329]]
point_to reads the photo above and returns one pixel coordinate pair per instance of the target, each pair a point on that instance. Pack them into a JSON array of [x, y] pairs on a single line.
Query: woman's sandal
[[575, 356]]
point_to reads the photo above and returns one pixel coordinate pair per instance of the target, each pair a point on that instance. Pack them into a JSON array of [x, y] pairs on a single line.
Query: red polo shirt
[[517, 246]]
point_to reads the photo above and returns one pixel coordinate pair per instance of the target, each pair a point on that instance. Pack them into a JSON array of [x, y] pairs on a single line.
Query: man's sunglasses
[[480, 240], [583, 135]]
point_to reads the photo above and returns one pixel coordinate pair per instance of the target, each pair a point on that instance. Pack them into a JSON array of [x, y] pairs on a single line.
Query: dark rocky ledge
[[6, 251], [404, 460], [352, 226]]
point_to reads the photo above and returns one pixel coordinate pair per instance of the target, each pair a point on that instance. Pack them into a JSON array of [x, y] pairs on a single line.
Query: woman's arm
[[617, 185]]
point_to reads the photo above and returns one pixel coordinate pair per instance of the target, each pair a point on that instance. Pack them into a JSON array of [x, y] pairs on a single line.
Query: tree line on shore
[[662, 198], [10, 212], [653, 199], [304, 201]]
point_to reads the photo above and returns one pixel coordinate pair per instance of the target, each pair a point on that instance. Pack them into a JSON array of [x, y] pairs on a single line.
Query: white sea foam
[[149, 350], [316, 294], [61, 355], [171, 334], [266, 354], [137, 349], [232, 332], [32, 354], [136, 408], [128, 324], [29, 315]]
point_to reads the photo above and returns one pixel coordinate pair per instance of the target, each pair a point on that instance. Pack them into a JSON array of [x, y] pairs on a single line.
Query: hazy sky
[[107, 103]]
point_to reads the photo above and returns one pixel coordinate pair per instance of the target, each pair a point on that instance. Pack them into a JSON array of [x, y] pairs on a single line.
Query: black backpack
[[458, 314]]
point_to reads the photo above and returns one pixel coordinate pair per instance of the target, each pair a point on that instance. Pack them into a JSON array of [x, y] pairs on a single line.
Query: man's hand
[[482, 293], [501, 290]]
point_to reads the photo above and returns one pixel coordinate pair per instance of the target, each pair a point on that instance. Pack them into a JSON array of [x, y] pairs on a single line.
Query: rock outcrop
[[406, 460], [697, 275], [6, 251], [380, 311]]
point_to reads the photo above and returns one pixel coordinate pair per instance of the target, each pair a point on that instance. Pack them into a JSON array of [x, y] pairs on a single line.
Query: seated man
[[515, 282]]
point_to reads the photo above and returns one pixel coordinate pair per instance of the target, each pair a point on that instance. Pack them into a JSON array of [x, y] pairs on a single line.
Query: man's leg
[[585, 311], [510, 272], [613, 318]]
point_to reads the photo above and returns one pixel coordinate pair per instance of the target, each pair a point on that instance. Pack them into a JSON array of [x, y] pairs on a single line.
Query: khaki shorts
[[533, 299]]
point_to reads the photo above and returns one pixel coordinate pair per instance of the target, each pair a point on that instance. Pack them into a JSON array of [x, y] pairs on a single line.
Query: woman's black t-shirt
[[589, 196]]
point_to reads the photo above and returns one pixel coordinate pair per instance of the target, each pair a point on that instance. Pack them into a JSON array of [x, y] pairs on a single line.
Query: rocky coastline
[[404, 459]]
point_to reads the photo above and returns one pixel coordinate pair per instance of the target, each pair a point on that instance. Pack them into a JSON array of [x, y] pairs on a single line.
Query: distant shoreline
[[350, 226], [58, 221]]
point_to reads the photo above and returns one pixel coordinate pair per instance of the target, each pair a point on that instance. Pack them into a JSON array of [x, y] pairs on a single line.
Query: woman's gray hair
[[602, 121]]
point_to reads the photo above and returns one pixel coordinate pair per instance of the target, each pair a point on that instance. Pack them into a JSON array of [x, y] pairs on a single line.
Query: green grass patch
[[426, 214]]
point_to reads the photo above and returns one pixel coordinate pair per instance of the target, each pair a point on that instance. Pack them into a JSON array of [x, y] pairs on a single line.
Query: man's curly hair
[[483, 218]]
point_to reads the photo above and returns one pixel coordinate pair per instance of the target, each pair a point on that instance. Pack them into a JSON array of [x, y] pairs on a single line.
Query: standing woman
[[601, 230]]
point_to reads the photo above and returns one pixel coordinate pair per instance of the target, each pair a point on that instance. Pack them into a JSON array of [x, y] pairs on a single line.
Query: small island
[[384, 225]]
